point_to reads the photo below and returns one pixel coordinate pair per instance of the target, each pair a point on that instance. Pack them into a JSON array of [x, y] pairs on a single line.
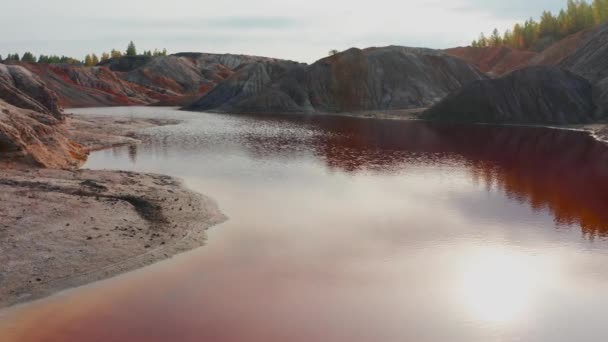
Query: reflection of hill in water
[[564, 171]]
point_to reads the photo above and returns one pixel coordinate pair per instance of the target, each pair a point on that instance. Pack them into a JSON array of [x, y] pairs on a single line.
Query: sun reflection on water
[[499, 285]]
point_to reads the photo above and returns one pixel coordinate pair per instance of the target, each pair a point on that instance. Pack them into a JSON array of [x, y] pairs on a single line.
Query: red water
[[359, 230]]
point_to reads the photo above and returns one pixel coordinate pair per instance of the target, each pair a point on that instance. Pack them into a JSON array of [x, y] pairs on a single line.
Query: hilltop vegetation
[[89, 60], [578, 16]]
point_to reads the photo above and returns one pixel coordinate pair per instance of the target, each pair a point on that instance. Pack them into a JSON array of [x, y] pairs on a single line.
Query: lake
[[346, 229]]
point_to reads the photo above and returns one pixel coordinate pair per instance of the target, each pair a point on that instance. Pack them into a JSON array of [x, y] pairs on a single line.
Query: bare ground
[[65, 228], [97, 133]]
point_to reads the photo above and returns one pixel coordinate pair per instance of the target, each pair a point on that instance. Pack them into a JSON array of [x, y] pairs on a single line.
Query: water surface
[[343, 229]]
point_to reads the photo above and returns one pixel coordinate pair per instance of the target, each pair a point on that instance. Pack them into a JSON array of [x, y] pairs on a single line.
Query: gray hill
[[355, 80], [530, 95]]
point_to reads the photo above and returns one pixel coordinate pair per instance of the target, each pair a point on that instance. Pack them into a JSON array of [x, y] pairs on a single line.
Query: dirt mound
[[355, 80], [494, 61], [539, 95], [78, 86], [35, 138], [24, 89]]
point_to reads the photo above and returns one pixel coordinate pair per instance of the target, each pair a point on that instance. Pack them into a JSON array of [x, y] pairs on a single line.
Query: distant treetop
[[89, 60], [579, 15], [131, 50]]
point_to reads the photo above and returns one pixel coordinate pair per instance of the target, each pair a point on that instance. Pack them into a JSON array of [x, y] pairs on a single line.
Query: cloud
[[512, 9], [302, 31], [194, 23]]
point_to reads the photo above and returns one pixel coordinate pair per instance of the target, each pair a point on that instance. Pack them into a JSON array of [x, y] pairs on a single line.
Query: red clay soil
[[557, 52], [495, 61], [79, 86]]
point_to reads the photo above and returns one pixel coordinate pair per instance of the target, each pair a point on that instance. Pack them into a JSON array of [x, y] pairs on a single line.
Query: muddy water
[[358, 230]]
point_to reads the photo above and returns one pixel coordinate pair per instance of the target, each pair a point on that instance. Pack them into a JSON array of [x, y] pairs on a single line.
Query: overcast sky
[[299, 30]]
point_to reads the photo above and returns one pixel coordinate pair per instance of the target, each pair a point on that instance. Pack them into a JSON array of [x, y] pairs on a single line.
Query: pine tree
[[482, 41], [28, 57], [578, 15], [495, 39], [507, 38], [131, 50], [600, 11]]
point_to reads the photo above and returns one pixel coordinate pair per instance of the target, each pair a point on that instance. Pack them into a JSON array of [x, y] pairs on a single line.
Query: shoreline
[[54, 248], [597, 130], [61, 229]]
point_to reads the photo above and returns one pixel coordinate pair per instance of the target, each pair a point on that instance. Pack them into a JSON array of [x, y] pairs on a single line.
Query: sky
[[298, 30]]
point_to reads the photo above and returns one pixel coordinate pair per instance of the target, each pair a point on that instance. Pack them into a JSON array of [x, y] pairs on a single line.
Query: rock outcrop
[[501, 60], [583, 54], [590, 60], [78, 86], [533, 95], [30, 123], [23, 89], [139, 80], [190, 74], [355, 80], [247, 83], [33, 138]]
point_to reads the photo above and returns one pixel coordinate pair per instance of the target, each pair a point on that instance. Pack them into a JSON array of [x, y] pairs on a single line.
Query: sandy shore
[[62, 228], [101, 132]]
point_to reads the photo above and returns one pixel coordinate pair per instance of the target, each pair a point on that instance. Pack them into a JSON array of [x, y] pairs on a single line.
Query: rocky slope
[[183, 77], [78, 86], [139, 80], [246, 83], [494, 61], [33, 138], [30, 123], [590, 61], [547, 95], [355, 80], [498, 61], [24, 89], [537, 95]]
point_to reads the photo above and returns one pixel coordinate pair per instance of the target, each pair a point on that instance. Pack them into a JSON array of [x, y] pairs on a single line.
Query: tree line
[[578, 16], [89, 60]]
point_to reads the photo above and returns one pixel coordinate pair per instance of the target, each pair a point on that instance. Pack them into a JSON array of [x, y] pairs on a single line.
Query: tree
[[518, 37], [495, 38], [115, 53], [482, 41], [105, 56], [600, 11], [507, 38], [88, 60], [578, 15], [14, 57], [94, 59], [333, 52], [548, 26], [131, 50], [28, 57]]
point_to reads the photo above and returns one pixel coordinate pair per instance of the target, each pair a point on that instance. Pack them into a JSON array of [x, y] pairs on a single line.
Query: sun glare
[[501, 285]]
